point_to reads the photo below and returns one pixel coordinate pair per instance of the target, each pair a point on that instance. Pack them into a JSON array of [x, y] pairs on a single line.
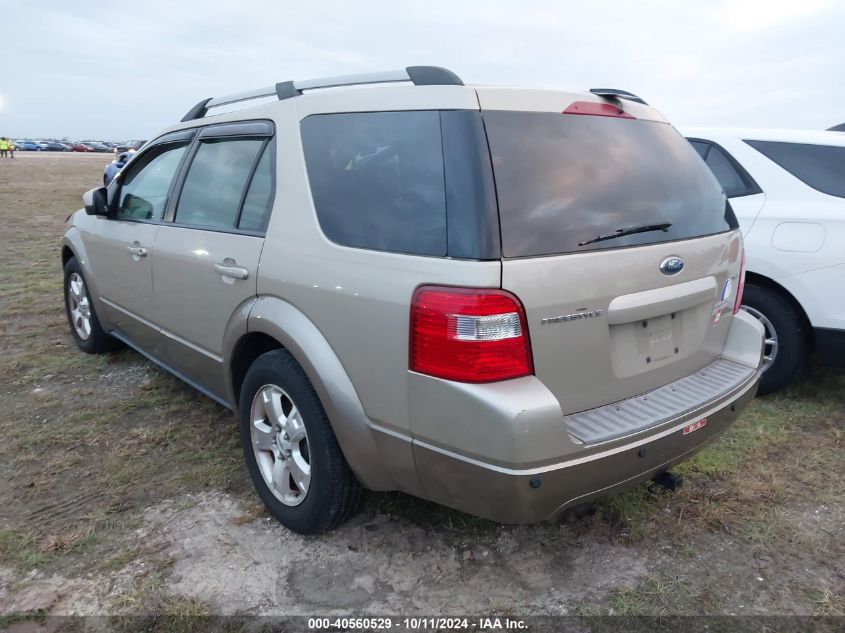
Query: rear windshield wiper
[[646, 228]]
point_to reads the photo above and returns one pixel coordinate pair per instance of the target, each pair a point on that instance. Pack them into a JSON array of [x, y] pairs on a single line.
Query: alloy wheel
[[280, 443], [80, 306], [770, 344]]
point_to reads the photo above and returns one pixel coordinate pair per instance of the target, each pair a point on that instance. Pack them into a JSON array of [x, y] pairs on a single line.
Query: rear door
[[618, 241], [207, 255]]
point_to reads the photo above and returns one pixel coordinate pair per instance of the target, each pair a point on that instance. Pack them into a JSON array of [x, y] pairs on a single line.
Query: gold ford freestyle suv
[[507, 301]]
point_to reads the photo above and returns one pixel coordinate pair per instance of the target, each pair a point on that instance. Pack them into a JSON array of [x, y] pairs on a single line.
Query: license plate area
[[661, 337], [646, 344]]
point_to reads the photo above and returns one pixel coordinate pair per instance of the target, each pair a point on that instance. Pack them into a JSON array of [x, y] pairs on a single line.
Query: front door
[[207, 258], [121, 246]]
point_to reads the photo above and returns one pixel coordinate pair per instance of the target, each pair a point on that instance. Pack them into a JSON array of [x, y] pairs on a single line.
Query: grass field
[[123, 492]]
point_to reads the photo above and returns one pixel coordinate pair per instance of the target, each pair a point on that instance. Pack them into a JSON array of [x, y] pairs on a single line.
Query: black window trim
[[230, 130], [751, 186]]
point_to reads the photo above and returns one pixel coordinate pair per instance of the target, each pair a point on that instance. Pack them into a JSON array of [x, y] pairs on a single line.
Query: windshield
[[565, 180]]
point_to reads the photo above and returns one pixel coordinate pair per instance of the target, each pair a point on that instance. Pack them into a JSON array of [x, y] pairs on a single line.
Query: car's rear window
[[565, 180], [822, 167]]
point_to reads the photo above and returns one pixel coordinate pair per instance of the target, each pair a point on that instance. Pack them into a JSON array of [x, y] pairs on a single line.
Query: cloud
[[113, 70], [758, 15]]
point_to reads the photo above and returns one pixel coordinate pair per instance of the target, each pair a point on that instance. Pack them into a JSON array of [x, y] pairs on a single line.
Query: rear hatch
[[616, 238]]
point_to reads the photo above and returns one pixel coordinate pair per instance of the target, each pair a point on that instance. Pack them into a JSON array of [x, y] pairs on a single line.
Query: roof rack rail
[[418, 75], [615, 93]]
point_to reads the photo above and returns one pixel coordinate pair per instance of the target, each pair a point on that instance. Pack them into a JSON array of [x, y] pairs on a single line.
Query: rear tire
[[786, 336], [288, 441]]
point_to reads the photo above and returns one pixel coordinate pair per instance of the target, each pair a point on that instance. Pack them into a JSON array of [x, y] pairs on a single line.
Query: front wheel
[[785, 346], [84, 324], [291, 452]]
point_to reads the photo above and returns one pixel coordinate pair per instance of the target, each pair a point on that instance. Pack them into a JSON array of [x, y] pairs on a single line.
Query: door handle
[[137, 251], [227, 268]]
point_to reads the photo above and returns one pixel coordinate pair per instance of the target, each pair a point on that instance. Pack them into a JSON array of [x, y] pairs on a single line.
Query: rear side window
[[822, 167], [256, 207], [701, 147], [377, 179], [570, 183], [734, 179], [216, 182]]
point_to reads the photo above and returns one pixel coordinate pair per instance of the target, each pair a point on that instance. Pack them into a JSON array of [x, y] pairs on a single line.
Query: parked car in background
[[127, 145], [80, 147], [113, 168], [512, 357], [787, 189], [97, 146], [52, 146], [26, 146]]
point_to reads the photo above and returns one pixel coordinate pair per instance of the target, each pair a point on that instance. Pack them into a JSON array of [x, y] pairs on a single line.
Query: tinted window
[[725, 173], [216, 181], [257, 202], [144, 187], [822, 167], [701, 148], [734, 179], [564, 180], [377, 179]]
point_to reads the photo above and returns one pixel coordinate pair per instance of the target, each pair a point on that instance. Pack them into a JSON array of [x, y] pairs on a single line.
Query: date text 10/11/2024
[[418, 624]]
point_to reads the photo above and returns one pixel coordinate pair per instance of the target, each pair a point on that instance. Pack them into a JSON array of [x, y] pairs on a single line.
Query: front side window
[[217, 179], [822, 167], [144, 188], [377, 179]]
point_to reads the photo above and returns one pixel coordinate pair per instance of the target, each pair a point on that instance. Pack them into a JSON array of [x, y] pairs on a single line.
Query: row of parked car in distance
[[28, 145]]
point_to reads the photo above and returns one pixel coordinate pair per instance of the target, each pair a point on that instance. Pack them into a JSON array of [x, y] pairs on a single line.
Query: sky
[[124, 70]]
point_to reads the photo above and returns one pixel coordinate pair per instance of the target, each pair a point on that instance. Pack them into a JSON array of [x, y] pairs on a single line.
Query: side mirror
[[96, 201]]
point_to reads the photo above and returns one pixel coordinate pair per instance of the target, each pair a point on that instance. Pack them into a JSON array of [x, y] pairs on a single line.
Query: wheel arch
[[67, 253], [380, 460], [246, 350], [773, 286]]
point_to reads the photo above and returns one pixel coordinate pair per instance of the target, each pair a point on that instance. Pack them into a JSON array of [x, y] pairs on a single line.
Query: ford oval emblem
[[671, 265]]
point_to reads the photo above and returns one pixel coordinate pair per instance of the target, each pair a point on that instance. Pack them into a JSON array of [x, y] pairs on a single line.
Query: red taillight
[[468, 335], [740, 286], [593, 108]]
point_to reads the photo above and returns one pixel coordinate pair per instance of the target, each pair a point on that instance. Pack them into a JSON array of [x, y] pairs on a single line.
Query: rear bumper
[[514, 496], [509, 457]]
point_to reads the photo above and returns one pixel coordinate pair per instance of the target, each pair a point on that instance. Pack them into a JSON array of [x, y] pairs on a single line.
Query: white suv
[[787, 188]]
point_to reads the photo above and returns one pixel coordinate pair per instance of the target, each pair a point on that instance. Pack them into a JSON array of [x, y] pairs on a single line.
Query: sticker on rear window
[[689, 428]]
